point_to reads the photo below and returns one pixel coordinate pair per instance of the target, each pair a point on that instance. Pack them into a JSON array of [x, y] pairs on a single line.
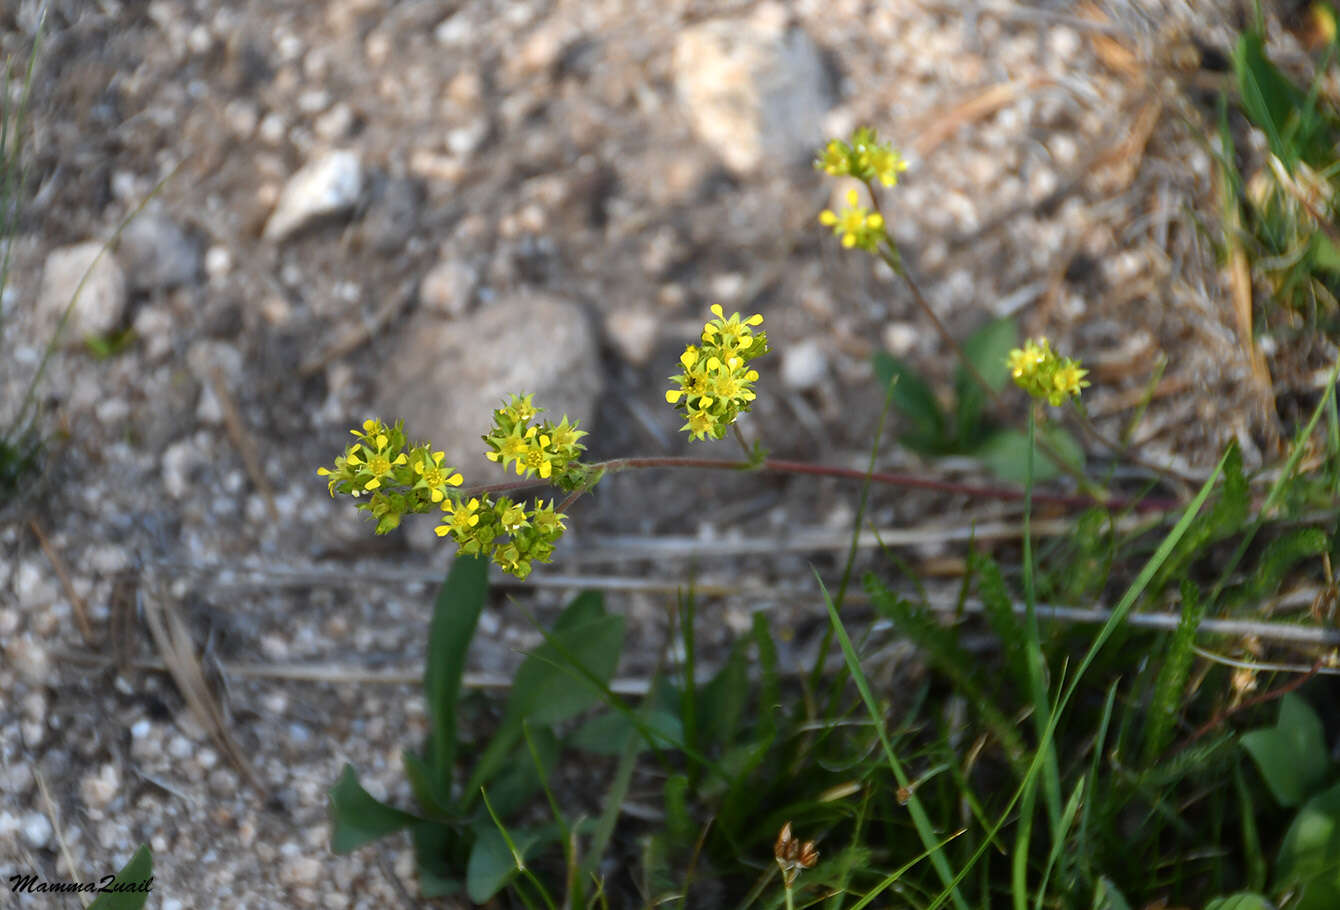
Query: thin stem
[[784, 466], [739, 437]]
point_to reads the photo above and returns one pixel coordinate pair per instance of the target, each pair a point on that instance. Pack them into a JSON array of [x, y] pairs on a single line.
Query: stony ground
[[411, 209]]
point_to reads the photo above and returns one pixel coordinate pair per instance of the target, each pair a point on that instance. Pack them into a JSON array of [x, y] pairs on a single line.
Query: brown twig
[[1263, 698], [237, 432], [63, 573]]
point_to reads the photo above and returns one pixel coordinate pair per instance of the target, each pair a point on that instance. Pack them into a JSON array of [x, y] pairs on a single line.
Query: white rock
[[633, 332], [101, 302], [464, 140], [804, 365], [158, 254], [900, 337], [30, 658], [98, 790], [36, 830], [182, 461], [218, 262], [301, 870], [325, 186], [18, 777], [752, 89], [32, 587], [448, 288]]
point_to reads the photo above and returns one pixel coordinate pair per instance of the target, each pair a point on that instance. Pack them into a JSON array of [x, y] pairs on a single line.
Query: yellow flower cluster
[[717, 383], [395, 482], [864, 157], [857, 226], [1040, 372], [392, 481], [543, 448], [509, 533]]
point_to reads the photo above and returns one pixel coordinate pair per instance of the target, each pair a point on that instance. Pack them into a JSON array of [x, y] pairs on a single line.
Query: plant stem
[[784, 466]]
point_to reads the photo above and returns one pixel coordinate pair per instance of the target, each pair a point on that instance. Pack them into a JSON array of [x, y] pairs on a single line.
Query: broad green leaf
[[555, 682], [608, 733], [519, 780], [1310, 855], [548, 688], [1006, 454], [1243, 900], [491, 865], [1291, 755], [420, 779], [136, 876], [434, 846], [455, 615], [987, 349], [925, 422], [357, 818], [1293, 126]]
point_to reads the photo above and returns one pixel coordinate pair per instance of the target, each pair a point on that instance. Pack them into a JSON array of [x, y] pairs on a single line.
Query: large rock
[[449, 376], [102, 299], [753, 89]]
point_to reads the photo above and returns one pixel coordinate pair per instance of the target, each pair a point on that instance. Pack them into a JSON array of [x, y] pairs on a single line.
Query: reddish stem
[[781, 466]]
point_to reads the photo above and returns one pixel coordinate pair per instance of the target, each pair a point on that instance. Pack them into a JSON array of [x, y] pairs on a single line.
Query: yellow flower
[[380, 463], [463, 517], [857, 226], [1043, 374], [884, 163], [534, 457], [436, 478], [730, 334]]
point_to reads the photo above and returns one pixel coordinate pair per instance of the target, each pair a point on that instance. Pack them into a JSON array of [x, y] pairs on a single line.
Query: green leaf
[[1291, 755], [1173, 674], [548, 686], [420, 779], [987, 349], [608, 733], [455, 615], [999, 609], [1243, 900], [679, 826], [1325, 255], [136, 876], [915, 402], [1107, 897], [357, 818], [1279, 557], [491, 865], [1293, 126], [1310, 855], [1005, 452], [544, 691], [434, 846], [722, 701], [519, 780]]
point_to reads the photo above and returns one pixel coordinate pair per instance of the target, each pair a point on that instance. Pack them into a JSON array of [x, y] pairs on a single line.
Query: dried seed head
[[792, 856]]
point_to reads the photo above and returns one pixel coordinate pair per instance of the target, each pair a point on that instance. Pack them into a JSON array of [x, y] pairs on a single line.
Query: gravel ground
[[412, 208]]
